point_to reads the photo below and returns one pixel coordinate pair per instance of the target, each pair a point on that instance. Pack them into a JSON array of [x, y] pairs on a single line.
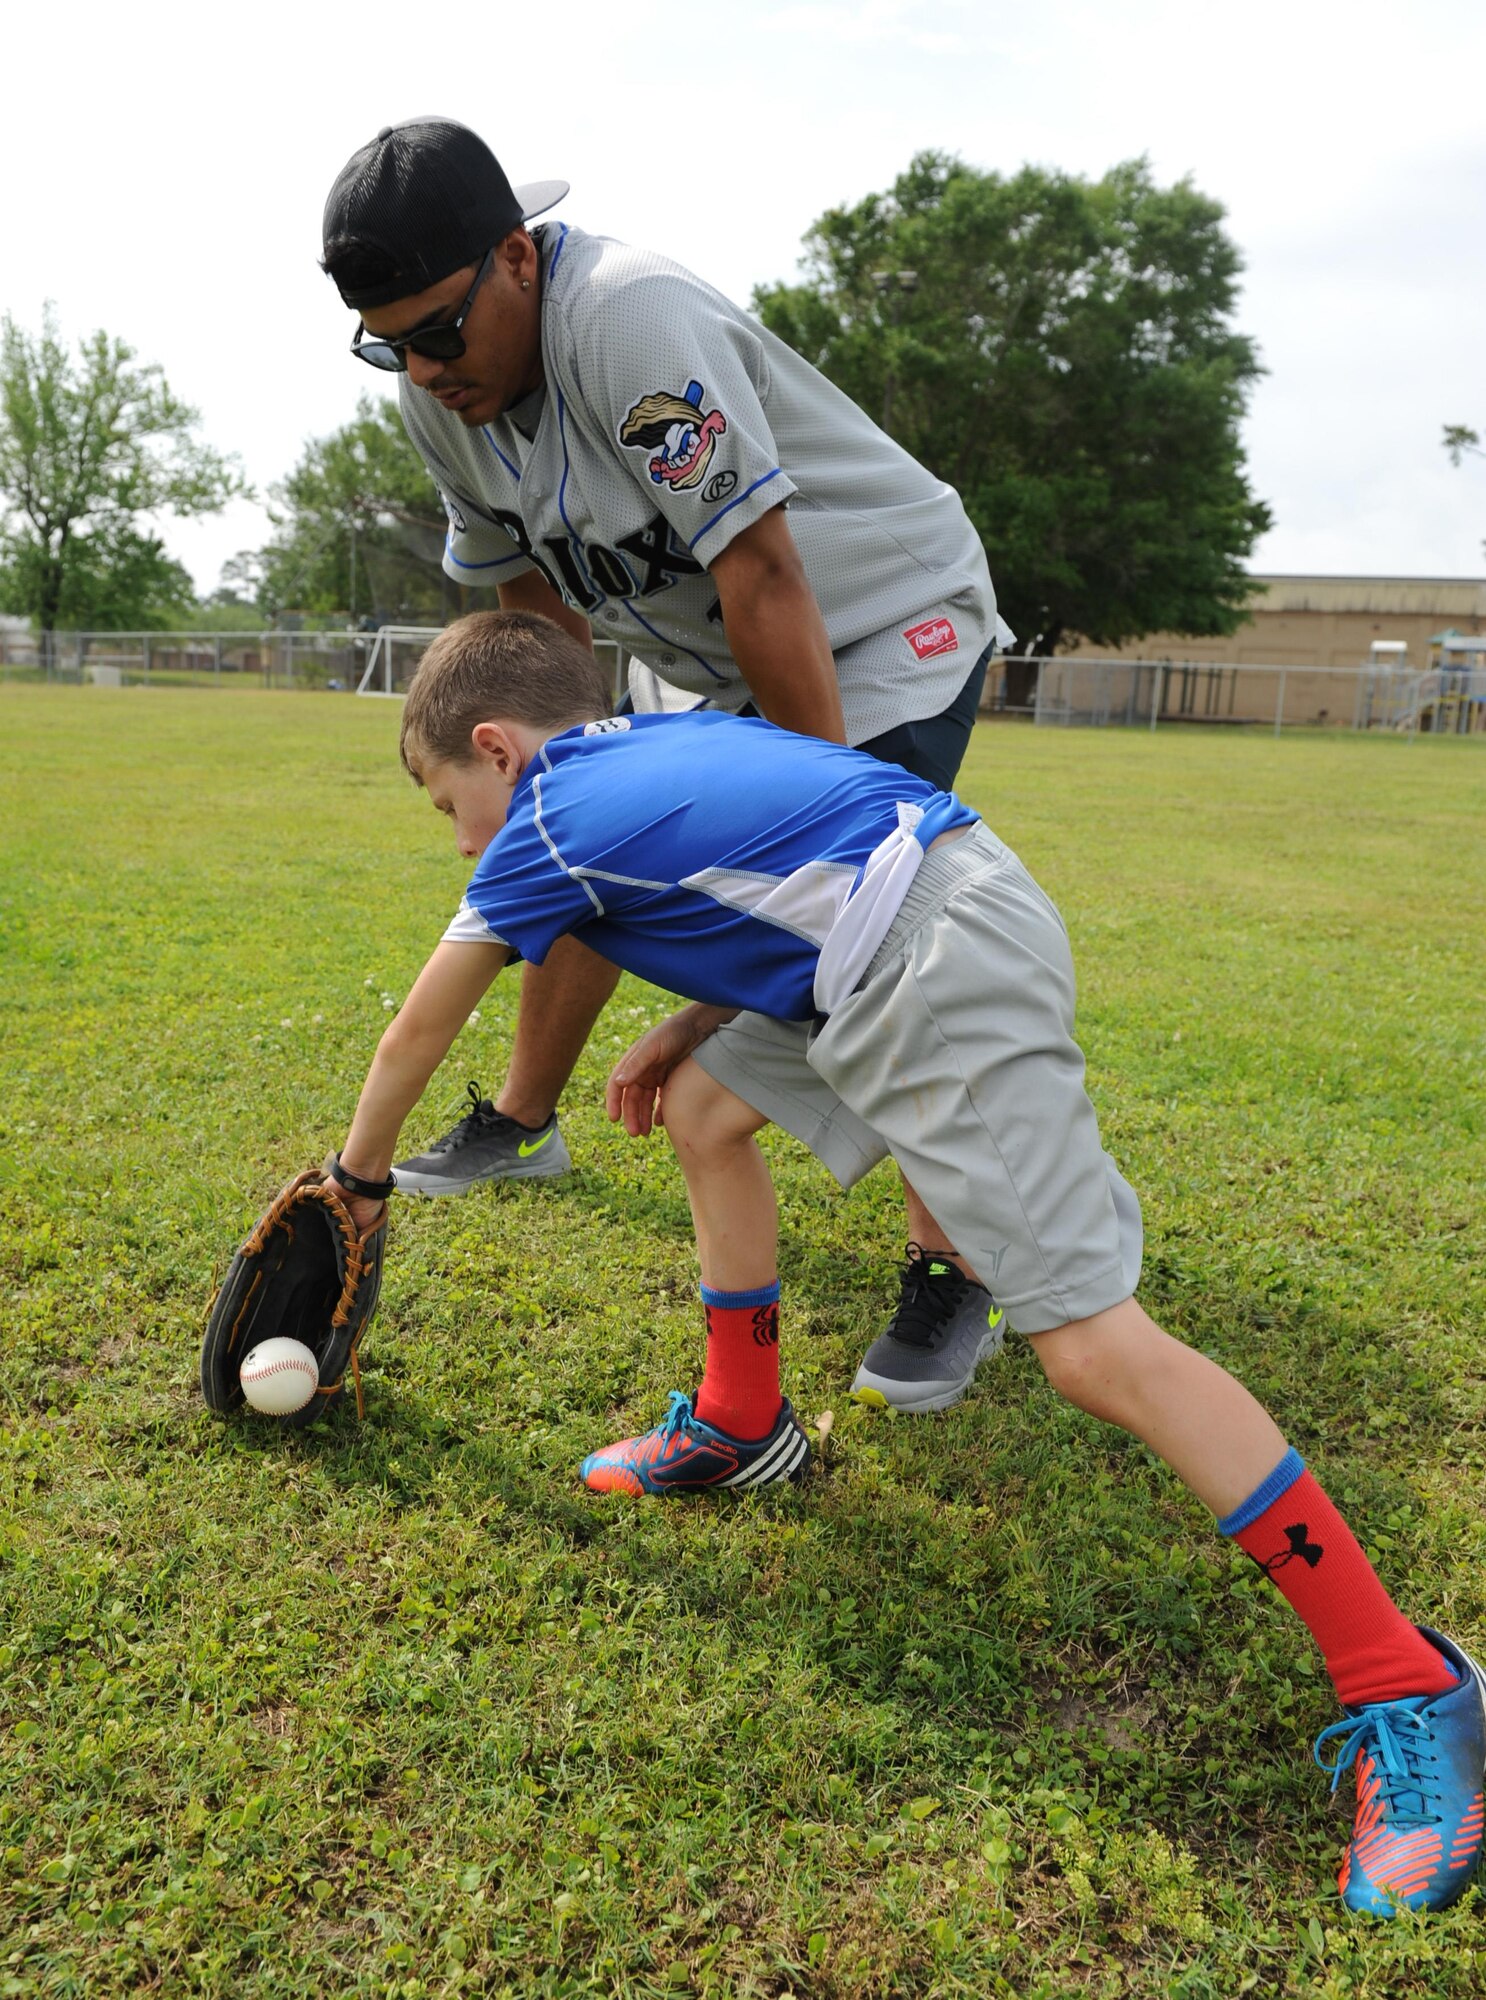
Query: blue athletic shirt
[[716, 856]]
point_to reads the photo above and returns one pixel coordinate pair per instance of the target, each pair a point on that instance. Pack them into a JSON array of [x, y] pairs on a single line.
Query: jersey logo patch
[[933, 637], [456, 519], [677, 434], [610, 725]]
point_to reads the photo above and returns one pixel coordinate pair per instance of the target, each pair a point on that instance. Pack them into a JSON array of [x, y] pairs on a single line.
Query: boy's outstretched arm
[[414, 1044]]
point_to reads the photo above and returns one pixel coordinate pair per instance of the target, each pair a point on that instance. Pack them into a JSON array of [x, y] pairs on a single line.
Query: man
[[617, 445]]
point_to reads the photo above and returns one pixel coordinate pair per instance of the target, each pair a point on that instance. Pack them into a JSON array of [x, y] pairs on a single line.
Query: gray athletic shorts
[[956, 1055]]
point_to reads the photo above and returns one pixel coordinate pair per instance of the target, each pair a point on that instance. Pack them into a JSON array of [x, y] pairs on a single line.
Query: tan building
[[1295, 659], [1326, 621]]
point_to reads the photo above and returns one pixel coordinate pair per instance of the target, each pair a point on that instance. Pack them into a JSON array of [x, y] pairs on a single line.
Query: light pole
[[898, 287]]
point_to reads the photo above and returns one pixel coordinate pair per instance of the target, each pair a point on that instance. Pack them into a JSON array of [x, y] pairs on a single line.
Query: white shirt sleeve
[[468, 927]]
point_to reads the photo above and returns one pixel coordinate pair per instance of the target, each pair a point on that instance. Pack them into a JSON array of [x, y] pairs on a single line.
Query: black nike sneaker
[[944, 1327], [485, 1145]]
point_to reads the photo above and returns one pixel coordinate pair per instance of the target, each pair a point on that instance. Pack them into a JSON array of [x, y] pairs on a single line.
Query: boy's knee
[[701, 1114], [1103, 1363], [1071, 1363]]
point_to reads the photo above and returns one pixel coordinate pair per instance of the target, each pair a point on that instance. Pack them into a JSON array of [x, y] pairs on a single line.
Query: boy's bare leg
[[1119, 1365], [560, 1002], [727, 1181], [1229, 1451], [1413, 1722], [739, 1431]]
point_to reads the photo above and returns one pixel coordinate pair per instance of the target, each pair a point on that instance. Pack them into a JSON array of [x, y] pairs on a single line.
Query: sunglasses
[[444, 342]]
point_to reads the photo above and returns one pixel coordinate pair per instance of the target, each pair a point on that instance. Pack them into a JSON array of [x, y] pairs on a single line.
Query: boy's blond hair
[[496, 666]]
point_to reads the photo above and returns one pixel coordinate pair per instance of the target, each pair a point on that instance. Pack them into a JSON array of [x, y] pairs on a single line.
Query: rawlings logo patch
[[934, 636], [675, 431]]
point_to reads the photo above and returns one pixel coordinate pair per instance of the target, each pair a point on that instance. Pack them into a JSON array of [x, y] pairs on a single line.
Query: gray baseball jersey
[[668, 423]]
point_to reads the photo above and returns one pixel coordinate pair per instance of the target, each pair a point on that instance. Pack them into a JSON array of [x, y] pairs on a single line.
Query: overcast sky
[[165, 167]]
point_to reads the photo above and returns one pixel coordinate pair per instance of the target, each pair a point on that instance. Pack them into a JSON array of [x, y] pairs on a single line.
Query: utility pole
[[895, 288]]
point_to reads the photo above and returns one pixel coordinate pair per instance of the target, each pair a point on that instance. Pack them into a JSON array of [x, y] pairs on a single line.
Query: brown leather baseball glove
[[306, 1272]]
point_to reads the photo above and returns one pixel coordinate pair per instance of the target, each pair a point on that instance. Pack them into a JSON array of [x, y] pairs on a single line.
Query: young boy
[[758, 870]]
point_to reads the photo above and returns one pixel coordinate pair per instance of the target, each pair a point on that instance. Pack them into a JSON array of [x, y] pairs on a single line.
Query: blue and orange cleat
[[1420, 1762], [684, 1455]]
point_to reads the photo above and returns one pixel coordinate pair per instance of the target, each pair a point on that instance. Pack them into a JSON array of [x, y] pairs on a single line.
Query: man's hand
[[632, 1093]]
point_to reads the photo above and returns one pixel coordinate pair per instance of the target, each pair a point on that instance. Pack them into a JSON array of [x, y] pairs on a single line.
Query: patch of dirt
[[1124, 1714], [1124, 1724], [107, 1354]]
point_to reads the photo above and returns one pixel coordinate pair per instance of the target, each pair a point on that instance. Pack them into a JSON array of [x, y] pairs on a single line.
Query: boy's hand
[[632, 1093], [363, 1210]]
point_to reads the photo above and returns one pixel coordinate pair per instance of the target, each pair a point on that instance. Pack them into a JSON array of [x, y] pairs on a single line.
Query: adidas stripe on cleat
[[1420, 1762], [684, 1455]]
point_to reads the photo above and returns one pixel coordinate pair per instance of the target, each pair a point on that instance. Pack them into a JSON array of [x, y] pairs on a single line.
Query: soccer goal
[[395, 652]]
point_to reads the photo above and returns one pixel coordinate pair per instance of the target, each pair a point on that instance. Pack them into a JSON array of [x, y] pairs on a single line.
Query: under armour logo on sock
[[766, 1325], [1309, 1552]]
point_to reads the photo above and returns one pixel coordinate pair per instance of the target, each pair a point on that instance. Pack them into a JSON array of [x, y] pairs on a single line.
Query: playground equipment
[[1454, 704], [1385, 686]]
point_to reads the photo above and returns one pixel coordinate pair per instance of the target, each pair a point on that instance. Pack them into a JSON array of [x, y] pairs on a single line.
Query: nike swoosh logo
[[994, 1319], [536, 1145]]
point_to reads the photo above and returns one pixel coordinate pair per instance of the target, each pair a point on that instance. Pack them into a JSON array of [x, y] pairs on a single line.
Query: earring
[[526, 284]]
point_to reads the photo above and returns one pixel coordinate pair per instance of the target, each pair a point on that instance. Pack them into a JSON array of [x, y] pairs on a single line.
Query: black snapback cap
[[431, 197]]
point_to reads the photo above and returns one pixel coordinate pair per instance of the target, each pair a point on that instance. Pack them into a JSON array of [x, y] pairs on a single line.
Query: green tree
[[94, 447], [1061, 351], [359, 530]]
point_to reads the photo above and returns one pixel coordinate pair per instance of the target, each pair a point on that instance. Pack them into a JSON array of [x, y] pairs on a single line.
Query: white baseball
[[279, 1376]]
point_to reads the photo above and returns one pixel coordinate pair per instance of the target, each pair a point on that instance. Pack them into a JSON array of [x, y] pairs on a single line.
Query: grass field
[[987, 1708]]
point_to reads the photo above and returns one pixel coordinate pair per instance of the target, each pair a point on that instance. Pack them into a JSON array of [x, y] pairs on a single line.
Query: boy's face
[[475, 797]]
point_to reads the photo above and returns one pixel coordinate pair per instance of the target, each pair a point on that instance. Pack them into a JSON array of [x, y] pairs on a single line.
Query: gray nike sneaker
[[944, 1327], [485, 1146]]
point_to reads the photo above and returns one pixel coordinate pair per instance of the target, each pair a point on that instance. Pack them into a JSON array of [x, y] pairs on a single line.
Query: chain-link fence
[[378, 662], [1132, 694], [333, 660], [1150, 694]]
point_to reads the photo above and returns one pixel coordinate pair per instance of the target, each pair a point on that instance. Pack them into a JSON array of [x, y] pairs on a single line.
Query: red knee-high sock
[[740, 1384], [1308, 1552]]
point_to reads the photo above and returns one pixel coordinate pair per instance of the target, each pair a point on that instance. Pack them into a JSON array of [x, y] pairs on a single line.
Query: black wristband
[[354, 1184]]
